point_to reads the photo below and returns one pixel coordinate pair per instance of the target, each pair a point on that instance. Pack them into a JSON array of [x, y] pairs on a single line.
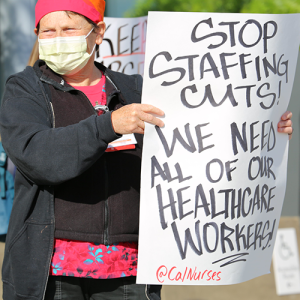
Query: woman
[[71, 195], [58, 142]]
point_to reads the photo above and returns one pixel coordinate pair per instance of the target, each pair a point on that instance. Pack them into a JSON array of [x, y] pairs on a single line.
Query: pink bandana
[[92, 9]]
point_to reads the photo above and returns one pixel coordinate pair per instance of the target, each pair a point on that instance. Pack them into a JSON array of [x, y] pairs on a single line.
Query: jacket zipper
[[51, 242], [104, 108], [53, 114], [106, 212], [50, 258], [146, 292]]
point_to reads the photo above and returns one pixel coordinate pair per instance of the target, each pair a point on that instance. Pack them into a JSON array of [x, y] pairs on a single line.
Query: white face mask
[[65, 55]]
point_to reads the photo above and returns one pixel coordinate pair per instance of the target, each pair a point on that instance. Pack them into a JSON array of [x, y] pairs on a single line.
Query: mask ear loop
[[93, 50], [89, 32], [95, 44]]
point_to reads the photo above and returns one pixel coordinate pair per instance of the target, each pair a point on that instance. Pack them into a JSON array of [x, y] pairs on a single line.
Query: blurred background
[[17, 39]]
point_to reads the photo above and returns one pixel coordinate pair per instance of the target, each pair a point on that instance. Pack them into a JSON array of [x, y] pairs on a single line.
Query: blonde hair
[[34, 55]]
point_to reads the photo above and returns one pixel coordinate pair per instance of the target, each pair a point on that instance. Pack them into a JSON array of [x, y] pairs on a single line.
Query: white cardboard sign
[[286, 262], [123, 46], [213, 178]]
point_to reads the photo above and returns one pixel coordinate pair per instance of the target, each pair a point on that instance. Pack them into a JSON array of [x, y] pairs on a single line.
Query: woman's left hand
[[285, 124]]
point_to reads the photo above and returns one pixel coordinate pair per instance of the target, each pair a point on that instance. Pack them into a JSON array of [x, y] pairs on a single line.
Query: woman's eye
[[47, 31]]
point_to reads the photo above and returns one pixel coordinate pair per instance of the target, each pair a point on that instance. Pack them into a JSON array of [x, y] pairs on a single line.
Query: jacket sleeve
[[46, 155]]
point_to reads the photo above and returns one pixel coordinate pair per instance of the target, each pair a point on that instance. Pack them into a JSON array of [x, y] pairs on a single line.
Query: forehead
[[61, 19]]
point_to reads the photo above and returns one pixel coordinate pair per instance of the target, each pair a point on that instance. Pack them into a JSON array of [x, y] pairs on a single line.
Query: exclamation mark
[[279, 91]]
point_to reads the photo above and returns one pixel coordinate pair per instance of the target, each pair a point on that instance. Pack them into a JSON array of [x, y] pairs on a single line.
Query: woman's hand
[[285, 124], [131, 118]]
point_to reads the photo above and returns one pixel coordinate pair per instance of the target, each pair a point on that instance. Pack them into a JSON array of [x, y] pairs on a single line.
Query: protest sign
[[213, 178], [123, 46]]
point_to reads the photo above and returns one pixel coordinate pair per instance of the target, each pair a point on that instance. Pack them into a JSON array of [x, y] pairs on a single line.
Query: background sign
[[286, 262], [213, 179], [123, 46]]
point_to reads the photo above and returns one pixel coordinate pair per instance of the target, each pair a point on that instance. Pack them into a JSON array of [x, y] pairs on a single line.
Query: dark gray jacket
[[45, 157]]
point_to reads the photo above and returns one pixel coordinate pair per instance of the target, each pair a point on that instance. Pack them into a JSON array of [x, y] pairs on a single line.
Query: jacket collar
[[46, 75]]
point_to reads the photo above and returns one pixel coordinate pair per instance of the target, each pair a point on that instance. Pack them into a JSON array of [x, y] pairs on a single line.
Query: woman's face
[[59, 24]]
